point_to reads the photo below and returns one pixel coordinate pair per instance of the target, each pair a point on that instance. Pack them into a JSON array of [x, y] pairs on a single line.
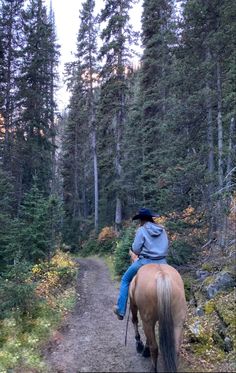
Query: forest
[[159, 134]]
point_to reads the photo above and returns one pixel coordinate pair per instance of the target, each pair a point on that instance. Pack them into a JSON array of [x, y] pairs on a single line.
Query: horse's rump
[[152, 282], [157, 291]]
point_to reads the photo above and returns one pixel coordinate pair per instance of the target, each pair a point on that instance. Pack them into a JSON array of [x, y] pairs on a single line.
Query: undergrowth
[[23, 332]]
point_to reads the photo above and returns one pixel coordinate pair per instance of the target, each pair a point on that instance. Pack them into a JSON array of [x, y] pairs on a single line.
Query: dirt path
[[93, 339]]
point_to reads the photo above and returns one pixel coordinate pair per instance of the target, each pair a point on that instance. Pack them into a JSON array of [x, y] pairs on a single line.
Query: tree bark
[[92, 126], [119, 126], [209, 122], [210, 143], [8, 99], [219, 126], [230, 153], [76, 208], [95, 173], [118, 214], [221, 214]]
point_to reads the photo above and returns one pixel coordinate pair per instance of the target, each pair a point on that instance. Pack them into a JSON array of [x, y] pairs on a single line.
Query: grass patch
[[109, 260], [22, 337]]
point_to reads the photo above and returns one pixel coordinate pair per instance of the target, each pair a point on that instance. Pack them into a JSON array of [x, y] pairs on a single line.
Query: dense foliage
[[165, 131], [34, 299], [159, 135], [29, 200]]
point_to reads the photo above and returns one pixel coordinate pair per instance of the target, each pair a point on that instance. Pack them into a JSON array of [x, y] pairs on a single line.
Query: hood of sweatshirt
[[153, 229]]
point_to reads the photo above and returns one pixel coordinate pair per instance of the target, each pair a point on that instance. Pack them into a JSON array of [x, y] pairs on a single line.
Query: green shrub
[[106, 246], [123, 245], [180, 252], [95, 247], [17, 294], [89, 247], [66, 275]]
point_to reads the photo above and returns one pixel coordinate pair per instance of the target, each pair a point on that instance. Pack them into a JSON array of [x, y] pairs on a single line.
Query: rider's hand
[[133, 256]]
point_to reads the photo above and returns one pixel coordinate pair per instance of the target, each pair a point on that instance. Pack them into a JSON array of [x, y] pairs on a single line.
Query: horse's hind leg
[[178, 332], [134, 311], [149, 330], [146, 350]]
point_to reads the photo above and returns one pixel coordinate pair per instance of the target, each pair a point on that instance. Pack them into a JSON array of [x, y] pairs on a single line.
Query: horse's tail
[[166, 325]]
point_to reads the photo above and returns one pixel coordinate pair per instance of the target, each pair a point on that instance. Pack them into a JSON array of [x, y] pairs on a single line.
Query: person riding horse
[[150, 245], [156, 293]]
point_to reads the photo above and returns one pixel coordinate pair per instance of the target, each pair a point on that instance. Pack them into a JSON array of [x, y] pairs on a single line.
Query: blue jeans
[[127, 278]]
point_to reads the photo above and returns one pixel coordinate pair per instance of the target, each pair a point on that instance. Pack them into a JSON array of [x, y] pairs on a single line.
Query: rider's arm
[[138, 242]]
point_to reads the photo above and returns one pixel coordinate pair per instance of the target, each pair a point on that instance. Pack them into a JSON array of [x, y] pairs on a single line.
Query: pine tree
[[208, 52], [158, 36], [6, 210], [35, 95], [87, 55], [34, 232], [76, 158], [132, 146], [117, 37], [11, 40]]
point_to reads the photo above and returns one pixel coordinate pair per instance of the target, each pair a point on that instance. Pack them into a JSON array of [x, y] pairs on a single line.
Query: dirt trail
[[92, 340]]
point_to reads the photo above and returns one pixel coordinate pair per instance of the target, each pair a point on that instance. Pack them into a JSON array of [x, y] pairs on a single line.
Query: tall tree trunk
[[219, 126], [84, 194], [8, 108], [119, 127], [95, 173], [209, 122], [76, 207], [210, 142], [230, 153], [118, 213], [92, 125], [53, 131], [220, 212]]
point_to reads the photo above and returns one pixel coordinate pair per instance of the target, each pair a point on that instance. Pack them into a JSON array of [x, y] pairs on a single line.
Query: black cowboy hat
[[143, 213]]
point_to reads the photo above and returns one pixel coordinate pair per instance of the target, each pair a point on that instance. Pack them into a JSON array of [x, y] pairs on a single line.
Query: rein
[[126, 331]]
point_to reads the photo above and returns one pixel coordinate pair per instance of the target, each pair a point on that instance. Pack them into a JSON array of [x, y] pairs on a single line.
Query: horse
[[157, 292]]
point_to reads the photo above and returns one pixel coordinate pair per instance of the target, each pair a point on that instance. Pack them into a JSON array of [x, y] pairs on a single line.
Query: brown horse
[[157, 292]]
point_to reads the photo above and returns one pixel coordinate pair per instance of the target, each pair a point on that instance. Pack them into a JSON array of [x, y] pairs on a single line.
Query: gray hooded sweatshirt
[[150, 241]]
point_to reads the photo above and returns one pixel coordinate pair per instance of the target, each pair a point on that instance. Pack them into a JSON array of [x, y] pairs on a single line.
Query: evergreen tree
[[132, 140], [117, 37], [87, 55], [76, 158], [11, 40], [34, 232], [158, 41], [207, 51], [6, 196], [35, 95]]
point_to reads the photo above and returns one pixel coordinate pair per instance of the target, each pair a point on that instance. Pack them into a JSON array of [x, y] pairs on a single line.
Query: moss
[[213, 354], [199, 296], [209, 307], [208, 281], [225, 306], [188, 281], [207, 267], [231, 269]]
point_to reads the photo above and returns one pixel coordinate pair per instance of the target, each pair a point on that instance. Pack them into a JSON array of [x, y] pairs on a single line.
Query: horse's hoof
[[146, 352], [139, 347]]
